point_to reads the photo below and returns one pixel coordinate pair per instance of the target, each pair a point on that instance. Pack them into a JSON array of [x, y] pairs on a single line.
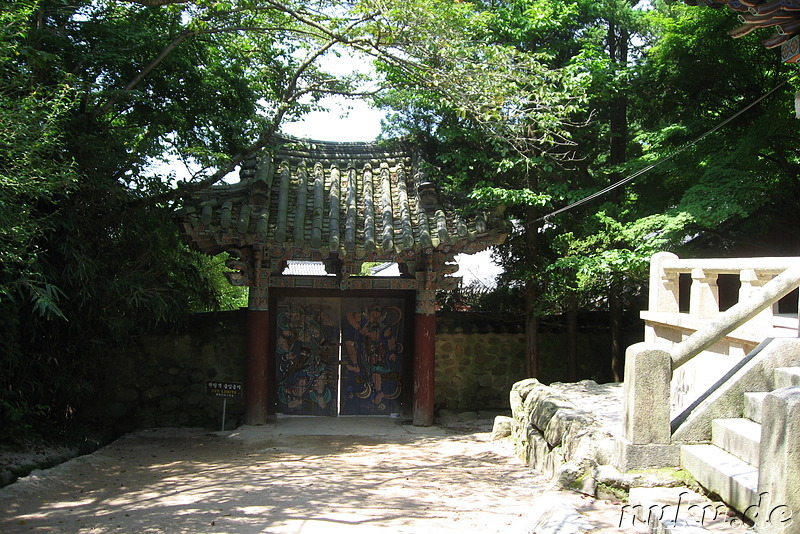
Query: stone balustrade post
[[751, 281], [663, 293], [646, 440], [646, 392], [704, 294], [779, 460], [663, 285]]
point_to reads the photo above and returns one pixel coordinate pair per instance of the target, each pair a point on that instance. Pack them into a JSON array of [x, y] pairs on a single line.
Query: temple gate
[[337, 343]]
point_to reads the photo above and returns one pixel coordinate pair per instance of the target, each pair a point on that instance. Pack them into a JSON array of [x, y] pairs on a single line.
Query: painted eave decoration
[[317, 201], [782, 15]]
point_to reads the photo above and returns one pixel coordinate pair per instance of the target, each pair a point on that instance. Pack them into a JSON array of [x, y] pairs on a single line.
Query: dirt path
[[400, 479]]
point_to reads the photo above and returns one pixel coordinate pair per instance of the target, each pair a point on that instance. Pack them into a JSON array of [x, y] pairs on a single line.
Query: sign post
[[225, 390]]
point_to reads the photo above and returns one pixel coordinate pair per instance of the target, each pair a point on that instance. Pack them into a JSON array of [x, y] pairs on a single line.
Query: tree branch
[[142, 74], [185, 189], [157, 3], [290, 95]]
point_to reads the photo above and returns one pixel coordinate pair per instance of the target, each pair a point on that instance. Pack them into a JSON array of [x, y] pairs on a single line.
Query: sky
[[347, 120], [478, 268]]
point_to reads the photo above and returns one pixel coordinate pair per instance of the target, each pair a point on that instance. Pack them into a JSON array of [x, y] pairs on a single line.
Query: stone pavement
[[604, 401], [301, 475]]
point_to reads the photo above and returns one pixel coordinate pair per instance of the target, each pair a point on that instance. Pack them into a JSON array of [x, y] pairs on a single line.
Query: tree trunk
[[617, 39], [618, 51], [531, 288], [531, 333], [615, 312], [572, 343]]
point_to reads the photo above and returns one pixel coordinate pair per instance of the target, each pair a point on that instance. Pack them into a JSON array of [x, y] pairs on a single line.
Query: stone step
[[677, 510], [786, 376], [752, 405], [721, 473], [740, 437]]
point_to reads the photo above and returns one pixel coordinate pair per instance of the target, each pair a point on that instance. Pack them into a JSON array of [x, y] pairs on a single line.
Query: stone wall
[[569, 433], [478, 359], [480, 356], [160, 380], [558, 438]]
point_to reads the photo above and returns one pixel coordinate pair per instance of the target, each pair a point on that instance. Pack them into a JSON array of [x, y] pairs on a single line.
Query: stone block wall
[[480, 356], [556, 437], [161, 379], [477, 362]]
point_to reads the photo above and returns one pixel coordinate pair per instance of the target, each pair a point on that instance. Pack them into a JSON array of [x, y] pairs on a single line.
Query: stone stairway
[[728, 466]]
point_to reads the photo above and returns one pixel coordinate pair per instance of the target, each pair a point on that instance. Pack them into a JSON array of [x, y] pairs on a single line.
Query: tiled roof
[[310, 200], [783, 15]]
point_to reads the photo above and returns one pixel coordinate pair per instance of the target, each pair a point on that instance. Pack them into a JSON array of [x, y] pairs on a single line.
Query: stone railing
[[690, 295], [687, 349]]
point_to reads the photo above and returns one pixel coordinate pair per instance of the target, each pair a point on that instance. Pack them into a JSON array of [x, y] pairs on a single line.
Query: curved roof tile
[[310, 200]]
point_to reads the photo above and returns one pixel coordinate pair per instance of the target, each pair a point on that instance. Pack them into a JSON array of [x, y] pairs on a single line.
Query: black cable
[[657, 163]]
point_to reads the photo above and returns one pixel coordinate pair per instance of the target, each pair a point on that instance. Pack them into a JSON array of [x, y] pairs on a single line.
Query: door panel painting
[[307, 355], [372, 356]]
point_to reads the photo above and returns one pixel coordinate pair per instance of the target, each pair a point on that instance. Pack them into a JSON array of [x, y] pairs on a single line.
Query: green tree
[[94, 95], [716, 197], [735, 188], [531, 162], [645, 91], [497, 109]]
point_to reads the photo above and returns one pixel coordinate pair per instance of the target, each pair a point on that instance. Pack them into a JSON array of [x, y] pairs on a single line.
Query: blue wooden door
[[307, 355], [372, 356]]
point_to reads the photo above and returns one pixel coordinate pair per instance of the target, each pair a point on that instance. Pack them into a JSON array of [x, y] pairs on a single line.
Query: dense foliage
[[94, 96], [645, 83]]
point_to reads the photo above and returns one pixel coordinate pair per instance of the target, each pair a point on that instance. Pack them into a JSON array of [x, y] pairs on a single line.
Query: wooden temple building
[[338, 343]]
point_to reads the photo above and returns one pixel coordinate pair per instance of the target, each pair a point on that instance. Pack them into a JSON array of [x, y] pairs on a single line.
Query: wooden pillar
[[257, 392], [424, 356]]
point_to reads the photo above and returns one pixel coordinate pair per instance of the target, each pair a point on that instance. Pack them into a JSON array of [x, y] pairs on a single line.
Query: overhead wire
[[652, 166]]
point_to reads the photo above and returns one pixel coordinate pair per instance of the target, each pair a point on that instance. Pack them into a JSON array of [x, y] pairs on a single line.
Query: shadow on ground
[[280, 480]]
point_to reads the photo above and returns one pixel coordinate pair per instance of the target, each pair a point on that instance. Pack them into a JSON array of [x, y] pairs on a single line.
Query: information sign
[[224, 389]]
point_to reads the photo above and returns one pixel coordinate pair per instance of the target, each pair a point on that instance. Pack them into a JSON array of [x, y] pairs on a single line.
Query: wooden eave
[[782, 15]]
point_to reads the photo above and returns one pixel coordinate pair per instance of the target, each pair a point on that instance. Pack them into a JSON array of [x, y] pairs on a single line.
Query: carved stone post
[[780, 462], [646, 440], [664, 290], [704, 295], [663, 285]]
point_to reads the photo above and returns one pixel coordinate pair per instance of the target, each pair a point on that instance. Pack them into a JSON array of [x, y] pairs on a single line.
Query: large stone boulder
[[556, 437]]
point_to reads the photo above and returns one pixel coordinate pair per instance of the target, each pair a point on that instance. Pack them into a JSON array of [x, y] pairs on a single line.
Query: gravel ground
[[300, 476]]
